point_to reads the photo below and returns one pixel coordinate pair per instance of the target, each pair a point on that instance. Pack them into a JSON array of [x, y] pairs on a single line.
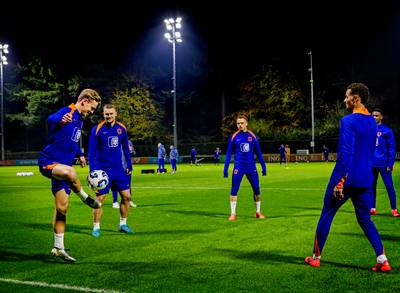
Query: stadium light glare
[[174, 37], [3, 61]]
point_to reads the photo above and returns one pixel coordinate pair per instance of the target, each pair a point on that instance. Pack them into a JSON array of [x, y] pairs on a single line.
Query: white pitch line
[[58, 286]]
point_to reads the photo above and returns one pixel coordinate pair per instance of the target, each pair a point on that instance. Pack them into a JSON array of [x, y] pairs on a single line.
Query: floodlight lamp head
[[4, 48], [178, 25], [169, 27], [171, 20]]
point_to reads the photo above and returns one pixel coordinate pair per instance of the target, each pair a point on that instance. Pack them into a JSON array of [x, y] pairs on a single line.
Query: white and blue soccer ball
[[97, 180]]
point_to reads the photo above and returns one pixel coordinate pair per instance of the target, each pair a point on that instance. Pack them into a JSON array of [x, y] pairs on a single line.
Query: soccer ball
[[97, 180]]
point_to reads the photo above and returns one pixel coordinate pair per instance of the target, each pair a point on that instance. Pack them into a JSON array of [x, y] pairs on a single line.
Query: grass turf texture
[[184, 242]]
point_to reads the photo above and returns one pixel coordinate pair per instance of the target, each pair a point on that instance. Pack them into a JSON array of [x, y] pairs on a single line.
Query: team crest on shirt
[[379, 133], [119, 131], [244, 147], [235, 171], [113, 141], [250, 138], [76, 134]]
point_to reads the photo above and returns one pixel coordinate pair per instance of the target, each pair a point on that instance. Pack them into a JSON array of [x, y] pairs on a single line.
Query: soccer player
[[161, 154], [385, 151], [325, 150], [106, 140], [217, 152], [282, 154], [245, 143], [193, 154], [352, 176], [173, 156], [56, 159], [132, 152]]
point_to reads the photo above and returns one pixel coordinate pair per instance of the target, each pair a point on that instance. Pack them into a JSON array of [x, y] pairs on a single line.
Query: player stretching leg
[[352, 176]]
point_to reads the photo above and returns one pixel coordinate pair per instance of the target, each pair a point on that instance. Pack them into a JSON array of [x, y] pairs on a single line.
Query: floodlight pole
[[3, 61], [312, 144], [173, 37], [174, 85]]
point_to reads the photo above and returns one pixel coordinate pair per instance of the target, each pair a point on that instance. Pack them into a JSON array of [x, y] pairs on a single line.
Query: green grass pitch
[[183, 241]]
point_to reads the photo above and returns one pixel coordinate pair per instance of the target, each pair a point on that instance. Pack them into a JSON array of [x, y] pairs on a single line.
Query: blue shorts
[[46, 168], [251, 174], [118, 180]]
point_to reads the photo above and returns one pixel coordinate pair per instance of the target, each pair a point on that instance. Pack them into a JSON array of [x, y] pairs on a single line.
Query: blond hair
[[242, 116], [89, 94], [109, 106]]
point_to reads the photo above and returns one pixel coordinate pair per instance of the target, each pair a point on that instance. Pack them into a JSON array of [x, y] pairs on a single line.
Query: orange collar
[[361, 111]]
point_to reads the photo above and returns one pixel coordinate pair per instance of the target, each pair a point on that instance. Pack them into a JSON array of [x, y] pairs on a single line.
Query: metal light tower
[[174, 36], [3, 61], [312, 144]]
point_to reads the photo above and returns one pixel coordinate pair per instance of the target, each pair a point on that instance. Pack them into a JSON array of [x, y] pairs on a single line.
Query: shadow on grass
[[341, 210], [200, 213], [70, 228], [292, 216], [12, 256], [266, 257], [83, 229], [277, 257], [156, 205], [172, 232], [383, 236]]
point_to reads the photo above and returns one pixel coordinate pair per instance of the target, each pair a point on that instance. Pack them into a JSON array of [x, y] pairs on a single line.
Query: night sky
[[233, 37], [223, 42]]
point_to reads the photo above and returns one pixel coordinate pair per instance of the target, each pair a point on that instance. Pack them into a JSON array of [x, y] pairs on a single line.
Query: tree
[[328, 127], [273, 102], [39, 92], [139, 112], [33, 94]]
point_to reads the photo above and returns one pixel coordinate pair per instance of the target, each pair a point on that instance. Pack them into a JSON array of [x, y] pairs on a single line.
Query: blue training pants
[[388, 181], [361, 198]]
